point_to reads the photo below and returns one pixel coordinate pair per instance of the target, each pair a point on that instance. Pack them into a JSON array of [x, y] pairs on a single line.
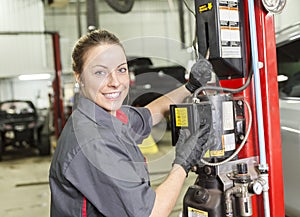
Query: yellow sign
[[217, 153], [205, 7], [181, 117], [196, 212]]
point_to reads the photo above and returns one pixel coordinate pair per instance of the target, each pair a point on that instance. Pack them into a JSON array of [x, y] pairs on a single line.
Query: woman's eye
[[122, 70], [100, 73]]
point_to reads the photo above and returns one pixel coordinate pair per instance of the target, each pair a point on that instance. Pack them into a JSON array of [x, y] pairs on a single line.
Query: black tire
[[145, 99], [1, 148], [44, 135], [44, 145]]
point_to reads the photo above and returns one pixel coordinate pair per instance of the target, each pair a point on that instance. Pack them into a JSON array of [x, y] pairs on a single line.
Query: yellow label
[[205, 7], [181, 117], [207, 154], [217, 153], [192, 212]]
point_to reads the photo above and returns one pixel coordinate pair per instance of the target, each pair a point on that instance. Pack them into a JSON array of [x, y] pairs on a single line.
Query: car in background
[[149, 81], [21, 126], [288, 59]]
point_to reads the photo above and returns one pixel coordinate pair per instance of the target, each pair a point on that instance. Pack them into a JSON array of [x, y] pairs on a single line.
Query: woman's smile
[[114, 95]]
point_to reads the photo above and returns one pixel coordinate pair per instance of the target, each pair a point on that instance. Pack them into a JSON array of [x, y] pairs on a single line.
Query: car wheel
[[44, 145], [145, 99], [1, 148]]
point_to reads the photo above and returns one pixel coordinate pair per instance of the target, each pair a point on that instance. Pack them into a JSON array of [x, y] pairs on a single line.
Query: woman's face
[[105, 78]]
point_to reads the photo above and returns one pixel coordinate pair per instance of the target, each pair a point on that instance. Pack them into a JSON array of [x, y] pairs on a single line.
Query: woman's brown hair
[[86, 42]]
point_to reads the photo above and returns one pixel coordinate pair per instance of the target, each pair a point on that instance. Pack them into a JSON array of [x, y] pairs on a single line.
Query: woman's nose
[[113, 79]]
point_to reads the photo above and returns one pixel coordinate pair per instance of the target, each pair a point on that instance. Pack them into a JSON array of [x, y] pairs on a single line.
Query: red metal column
[[269, 90], [58, 109], [270, 103]]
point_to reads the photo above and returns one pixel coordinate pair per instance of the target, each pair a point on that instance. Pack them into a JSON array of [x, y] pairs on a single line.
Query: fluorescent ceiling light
[[34, 77], [281, 78]]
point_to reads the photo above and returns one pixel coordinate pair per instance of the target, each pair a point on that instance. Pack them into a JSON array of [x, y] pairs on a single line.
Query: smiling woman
[[97, 167], [104, 70], [106, 74]]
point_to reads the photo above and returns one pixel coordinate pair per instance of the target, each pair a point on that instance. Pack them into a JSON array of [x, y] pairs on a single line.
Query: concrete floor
[[24, 189]]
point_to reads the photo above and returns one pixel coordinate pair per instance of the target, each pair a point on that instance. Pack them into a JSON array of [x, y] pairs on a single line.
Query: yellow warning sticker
[[216, 153], [205, 7], [207, 154], [181, 117], [192, 212], [220, 152]]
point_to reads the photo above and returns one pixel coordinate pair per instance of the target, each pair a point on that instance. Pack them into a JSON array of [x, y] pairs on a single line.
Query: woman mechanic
[[97, 168]]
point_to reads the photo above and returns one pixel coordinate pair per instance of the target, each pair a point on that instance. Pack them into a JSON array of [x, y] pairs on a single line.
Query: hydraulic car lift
[[57, 103], [246, 180]]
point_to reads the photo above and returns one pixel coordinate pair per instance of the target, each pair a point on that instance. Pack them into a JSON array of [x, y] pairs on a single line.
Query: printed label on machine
[[217, 153], [227, 112], [192, 212], [181, 117], [229, 141], [205, 7], [230, 29]]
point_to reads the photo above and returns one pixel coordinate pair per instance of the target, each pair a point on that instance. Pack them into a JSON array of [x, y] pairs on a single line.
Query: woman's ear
[[77, 77]]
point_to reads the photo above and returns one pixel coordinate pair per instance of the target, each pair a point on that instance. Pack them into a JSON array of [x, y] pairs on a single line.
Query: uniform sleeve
[[108, 179], [140, 122]]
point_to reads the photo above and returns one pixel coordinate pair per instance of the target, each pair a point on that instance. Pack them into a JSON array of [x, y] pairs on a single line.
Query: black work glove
[[200, 74], [209, 145], [189, 150]]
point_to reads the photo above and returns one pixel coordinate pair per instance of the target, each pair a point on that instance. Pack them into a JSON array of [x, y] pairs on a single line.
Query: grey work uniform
[[97, 168]]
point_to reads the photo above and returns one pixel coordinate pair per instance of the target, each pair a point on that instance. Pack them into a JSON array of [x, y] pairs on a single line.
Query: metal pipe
[[257, 86], [92, 15], [78, 16], [265, 181], [181, 23], [228, 200]]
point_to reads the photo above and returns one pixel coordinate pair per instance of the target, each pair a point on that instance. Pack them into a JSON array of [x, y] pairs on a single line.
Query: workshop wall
[[22, 50], [35, 91], [289, 16], [150, 29]]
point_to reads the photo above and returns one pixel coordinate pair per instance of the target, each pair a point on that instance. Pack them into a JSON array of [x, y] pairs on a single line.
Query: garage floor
[[24, 189]]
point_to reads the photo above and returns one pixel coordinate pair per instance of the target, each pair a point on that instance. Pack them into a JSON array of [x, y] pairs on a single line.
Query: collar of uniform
[[99, 115], [122, 116]]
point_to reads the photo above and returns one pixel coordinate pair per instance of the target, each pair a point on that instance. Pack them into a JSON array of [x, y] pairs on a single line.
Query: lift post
[[58, 108], [270, 108], [237, 182], [57, 104]]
